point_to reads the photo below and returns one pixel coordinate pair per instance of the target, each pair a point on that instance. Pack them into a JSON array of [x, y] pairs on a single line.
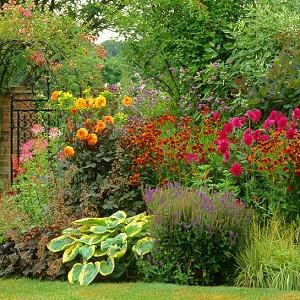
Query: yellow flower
[[90, 102], [100, 126], [127, 101], [82, 134], [55, 95], [92, 139], [80, 103], [100, 102], [69, 151], [109, 120]]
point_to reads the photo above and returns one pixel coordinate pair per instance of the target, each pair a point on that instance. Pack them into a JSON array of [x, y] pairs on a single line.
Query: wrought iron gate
[[24, 113]]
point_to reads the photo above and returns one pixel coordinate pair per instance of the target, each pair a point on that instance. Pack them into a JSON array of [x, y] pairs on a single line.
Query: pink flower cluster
[[276, 121], [37, 129], [31, 147]]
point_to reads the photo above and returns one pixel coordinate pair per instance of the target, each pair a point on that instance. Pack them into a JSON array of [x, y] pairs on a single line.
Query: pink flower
[[37, 129], [54, 133], [223, 145], [291, 133], [268, 123], [256, 134], [247, 138], [26, 13], [216, 116], [264, 137], [226, 156], [237, 122], [254, 115], [236, 169], [281, 122], [227, 128], [296, 114], [191, 158]]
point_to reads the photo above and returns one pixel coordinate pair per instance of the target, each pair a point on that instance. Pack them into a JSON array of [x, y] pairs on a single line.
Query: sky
[[107, 35]]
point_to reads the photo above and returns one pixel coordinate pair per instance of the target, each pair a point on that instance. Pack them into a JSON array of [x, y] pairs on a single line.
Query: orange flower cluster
[[165, 144], [276, 153]]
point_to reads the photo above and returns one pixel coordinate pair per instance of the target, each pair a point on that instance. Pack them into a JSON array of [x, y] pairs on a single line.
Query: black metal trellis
[[24, 113]]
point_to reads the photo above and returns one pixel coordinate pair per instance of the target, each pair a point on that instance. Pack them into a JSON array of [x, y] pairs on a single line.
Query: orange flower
[[127, 101], [109, 120], [69, 151], [55, 95], [80, 103], [92, 139], [82, 134], [100, 126], [100, 102]]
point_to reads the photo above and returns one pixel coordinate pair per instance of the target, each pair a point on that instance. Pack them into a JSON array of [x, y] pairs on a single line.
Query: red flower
[[236, 169], [296, 114], [223, 145], [291, 133]]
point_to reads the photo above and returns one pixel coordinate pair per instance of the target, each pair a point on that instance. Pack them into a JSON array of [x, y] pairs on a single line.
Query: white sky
[[107, 35]]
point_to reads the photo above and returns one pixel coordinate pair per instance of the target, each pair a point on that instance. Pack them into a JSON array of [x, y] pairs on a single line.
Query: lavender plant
[[197, 234]]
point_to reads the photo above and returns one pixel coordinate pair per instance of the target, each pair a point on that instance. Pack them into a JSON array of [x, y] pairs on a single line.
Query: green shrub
[[271, 258], [107, 246], [196, 235]]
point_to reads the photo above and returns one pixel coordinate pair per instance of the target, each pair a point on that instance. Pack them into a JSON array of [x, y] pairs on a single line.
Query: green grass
[[25, 289]]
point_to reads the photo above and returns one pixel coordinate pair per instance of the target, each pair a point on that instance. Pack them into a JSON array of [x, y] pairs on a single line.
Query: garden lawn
[[25, 289]]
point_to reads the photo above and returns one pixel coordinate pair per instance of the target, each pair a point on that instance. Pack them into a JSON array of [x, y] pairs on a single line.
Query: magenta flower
[[191, 158], [296, 114], [237, 122], [254, 115], [216, 116], [291, 133], [281, 122], [223, 145], [236, 169], [247, 137]]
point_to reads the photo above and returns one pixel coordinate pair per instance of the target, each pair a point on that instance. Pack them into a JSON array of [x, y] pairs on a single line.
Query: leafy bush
[[271, 258], [28, 255], [196, 235], [116, 239]]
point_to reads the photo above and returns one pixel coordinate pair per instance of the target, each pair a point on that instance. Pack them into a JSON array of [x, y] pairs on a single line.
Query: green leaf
[[121, 215], [60, 243], [120, 238], [139, 217], [132, 229], [88, 273], [99, 252], [91, 222], [71, 252], [107, 267], [87, 252], [100, 229], [143, 246], [74, 273], [116, 251], [71, 231]]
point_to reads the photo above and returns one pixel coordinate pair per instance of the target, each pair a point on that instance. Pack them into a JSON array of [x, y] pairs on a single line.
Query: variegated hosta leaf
[[113, 223], [99, 252], [87, 252], [143, 246], [93, 239], [116, 251], [60, 243], [74, 273], [133, 228], [91, 222], [88, 273], [120, 215], [106, 267], [139, 217], [71, 231], [121, 238], [71, 252], [100, 229]]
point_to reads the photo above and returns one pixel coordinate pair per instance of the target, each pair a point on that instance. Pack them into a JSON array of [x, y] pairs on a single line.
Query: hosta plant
[[107, 246]]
